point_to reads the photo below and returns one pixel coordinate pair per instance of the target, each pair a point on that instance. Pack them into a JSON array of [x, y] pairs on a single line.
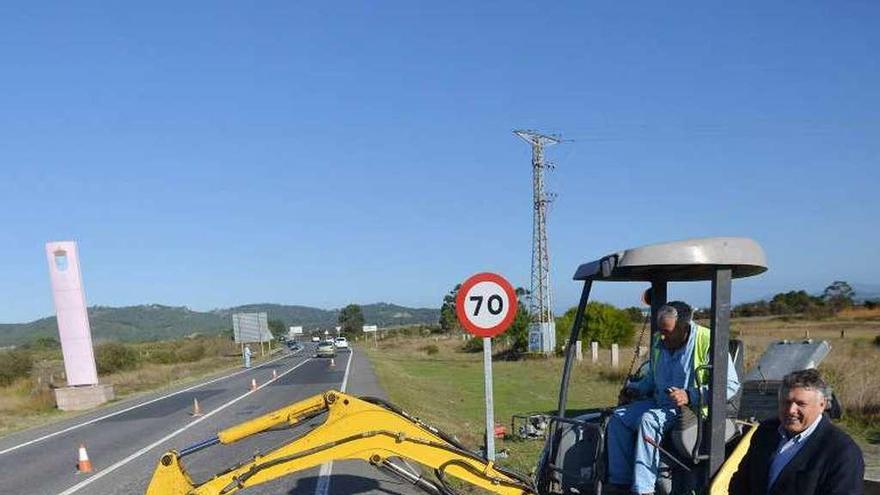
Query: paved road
[[125, 441]]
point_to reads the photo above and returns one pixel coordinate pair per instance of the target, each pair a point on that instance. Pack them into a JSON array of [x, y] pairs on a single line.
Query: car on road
[[315, 338], [341, 343], [326, 349], [294, 346]]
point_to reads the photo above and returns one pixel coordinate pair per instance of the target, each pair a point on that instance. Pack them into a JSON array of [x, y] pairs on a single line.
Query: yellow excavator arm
[[355, 428]]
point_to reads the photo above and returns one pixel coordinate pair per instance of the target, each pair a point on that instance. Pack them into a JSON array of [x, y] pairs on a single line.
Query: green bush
[[190, 352], [44, 343], [602, 323], [430, 349], [113, 356], [160, 355], [14, 364], [219, 347], [181, 351], [635, 314], [877, 341], [518, 333]]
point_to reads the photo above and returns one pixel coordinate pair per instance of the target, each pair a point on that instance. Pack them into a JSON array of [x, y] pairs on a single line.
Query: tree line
[[350, 319], [607, 324], [838, 296]]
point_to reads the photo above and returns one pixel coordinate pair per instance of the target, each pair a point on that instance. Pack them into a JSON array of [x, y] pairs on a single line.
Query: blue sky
[[211, 154]]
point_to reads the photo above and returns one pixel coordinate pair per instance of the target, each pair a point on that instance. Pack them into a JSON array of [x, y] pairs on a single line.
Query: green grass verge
[[446, 390]]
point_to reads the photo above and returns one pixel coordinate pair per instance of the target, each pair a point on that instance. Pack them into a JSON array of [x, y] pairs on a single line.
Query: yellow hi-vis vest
[[699, 373]]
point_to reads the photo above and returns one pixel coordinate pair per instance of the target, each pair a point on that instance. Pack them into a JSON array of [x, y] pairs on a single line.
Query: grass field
[[446, 387]]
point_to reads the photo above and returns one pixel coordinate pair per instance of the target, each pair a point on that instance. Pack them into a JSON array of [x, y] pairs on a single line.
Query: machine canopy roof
[[678, 261]]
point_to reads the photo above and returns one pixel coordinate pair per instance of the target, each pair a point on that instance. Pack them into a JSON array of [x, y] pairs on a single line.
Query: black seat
[[578, 465]]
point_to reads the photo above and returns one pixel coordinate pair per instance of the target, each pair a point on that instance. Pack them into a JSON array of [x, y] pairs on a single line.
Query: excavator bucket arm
[[365, 429]]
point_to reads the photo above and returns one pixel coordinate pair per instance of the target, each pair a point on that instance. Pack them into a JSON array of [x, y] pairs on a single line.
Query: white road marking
[[91, 421], [110, 469], [323, 485], [347, 367]]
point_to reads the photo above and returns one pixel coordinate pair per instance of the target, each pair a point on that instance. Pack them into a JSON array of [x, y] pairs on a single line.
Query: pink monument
[[83, 390]]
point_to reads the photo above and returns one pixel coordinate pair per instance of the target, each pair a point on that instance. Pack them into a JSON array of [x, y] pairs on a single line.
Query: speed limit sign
[[485, 304]]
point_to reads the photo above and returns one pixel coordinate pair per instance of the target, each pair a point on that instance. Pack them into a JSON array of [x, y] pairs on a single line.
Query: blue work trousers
[[631, 460]]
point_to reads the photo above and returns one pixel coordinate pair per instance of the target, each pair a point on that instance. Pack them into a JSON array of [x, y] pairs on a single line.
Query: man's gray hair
[[809, 379], [667, 311], [685, 311]]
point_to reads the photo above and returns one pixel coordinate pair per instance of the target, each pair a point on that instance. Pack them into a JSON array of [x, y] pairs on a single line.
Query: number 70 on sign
[[485, 304]]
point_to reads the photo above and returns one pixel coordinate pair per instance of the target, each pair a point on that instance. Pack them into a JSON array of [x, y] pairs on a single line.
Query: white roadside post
[[486, 306]]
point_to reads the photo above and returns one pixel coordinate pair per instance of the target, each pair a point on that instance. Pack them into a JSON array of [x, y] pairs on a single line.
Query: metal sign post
[[486, 306], [490, 409]]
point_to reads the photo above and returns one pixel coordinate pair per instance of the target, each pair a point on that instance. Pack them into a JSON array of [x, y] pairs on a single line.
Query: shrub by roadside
[[111, 357], [430, 349], [13, 365], [175, 351], [473, 344]]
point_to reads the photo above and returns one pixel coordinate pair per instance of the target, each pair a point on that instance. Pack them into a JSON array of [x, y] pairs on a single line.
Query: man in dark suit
[[801, 453]]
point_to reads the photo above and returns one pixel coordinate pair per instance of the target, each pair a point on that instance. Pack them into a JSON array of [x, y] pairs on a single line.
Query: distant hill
[[158, 322], [382, 314]]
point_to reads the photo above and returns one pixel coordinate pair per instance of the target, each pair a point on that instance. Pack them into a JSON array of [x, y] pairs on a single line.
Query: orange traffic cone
[[253, 384], [197, 411], [84, 465], [274, 375]]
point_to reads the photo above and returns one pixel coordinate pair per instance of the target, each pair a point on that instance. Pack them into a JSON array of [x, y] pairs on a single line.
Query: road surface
[[124, 441]]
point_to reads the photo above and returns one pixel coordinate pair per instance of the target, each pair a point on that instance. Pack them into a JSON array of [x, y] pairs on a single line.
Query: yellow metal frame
[[354, 429], [721, 481]]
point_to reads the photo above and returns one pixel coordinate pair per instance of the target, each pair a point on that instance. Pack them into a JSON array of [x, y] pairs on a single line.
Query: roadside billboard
[[251, 327]]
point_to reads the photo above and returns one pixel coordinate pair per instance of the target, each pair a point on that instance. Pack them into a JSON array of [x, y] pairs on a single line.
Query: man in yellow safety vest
[[675, 378]]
